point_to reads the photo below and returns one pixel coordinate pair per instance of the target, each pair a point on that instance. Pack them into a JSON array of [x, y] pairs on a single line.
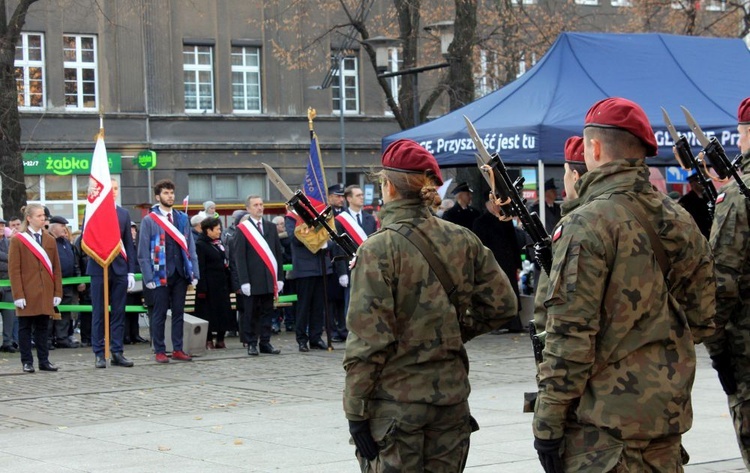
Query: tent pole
[[542, 202]]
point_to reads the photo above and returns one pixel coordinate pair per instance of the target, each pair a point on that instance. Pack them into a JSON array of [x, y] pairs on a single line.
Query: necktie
[[359, 220], [260, 228], [169, 217], [38, 237]]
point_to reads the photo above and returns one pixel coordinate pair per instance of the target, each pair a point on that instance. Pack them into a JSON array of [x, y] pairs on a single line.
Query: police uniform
[[730, 347], [406, 365], [460, 215], [619, 357]]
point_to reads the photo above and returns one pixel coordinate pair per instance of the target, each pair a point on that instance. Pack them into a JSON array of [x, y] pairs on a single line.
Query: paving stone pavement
[[229, 412]]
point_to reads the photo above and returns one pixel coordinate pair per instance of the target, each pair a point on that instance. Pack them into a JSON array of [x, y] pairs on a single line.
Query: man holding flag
[[106, 239], [166, 253]]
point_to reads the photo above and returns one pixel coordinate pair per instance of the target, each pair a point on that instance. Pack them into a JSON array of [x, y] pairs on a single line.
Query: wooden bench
[[285, 300]]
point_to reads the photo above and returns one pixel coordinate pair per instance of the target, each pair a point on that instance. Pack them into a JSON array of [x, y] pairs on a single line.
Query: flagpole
[[106, 312]]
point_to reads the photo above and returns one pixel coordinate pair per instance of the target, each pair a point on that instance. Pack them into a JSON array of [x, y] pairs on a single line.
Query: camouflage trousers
[[590, 449], [741, 417], [418, 437]]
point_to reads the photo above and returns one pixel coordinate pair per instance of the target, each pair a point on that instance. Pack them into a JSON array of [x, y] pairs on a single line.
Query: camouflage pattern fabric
[[406, 342], [619, 354], [730, 242], [403, 430]]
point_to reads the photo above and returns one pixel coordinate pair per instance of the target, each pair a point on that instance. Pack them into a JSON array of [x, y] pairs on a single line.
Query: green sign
[[145, 159], [64, 164]]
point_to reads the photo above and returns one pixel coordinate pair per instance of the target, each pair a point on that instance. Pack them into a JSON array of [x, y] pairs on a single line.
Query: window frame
[[25, 64], [245, 70], [336, 86], [239, 177], [195, 69], [80, 66]]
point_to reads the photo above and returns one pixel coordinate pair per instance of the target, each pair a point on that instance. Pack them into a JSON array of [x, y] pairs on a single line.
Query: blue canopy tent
[[528, 120]]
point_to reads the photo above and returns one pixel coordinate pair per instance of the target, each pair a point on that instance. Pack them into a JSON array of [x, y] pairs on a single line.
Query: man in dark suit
[[697, 206], [359, 227], [462, 213], [552, 209], [257, 255], [121, 278]]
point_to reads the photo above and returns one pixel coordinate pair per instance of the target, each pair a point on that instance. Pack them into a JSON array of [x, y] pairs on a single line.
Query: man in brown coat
[[36, 285]]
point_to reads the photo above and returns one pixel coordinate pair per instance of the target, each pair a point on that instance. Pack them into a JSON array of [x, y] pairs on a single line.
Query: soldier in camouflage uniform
[[730, 241], [407, 386], [619, 359]]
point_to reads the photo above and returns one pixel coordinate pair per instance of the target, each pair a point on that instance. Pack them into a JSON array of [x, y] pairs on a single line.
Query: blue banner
[[314, 185]]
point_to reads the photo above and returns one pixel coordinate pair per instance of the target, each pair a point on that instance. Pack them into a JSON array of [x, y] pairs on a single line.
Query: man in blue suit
[[121, 278]]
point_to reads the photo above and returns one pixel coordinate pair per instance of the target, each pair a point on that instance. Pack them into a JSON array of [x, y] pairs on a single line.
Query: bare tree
[[11, 161]]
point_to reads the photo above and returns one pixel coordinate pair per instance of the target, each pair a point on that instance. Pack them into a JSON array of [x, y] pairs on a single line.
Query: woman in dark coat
[[212, 294]]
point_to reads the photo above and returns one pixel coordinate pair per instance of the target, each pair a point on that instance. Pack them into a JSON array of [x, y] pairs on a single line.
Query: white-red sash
[[352, 227], [122, 251], [169, 228], [37, 250], [260, 245]]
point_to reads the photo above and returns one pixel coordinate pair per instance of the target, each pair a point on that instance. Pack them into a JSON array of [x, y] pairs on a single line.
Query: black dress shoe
[[126, 341], [269, 349], [252, 350], [337, 339], [118, 359], [139, 339], [67, 344], [100, 362], [28, 368], [319, 345], [303, 347], [47, 366], [7, 349]]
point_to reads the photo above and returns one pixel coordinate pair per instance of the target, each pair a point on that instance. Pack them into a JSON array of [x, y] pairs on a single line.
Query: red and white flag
[[101, 232], [186, 202]]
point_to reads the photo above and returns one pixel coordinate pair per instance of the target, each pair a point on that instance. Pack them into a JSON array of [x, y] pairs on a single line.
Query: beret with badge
[[617, 112], [408, 156]]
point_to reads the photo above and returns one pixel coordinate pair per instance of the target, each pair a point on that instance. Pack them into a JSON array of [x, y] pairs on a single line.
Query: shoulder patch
[[558, 233], [720, 198]]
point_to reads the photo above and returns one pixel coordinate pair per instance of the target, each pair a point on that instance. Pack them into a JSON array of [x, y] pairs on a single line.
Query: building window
[[485, 81], [394, 65], [587, 2], [524, 64], [80, 71], [524, 2], [225, 187], [199, 78], [622, 3], [350, 72], [246, 79], [29, 65], [716, 5]]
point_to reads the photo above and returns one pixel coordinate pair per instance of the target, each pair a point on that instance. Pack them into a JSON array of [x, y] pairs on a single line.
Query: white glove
[[344, 280], [131, 281], [280, 285], [56, 301], [151, 285], [246, 289], [195, 282], [20, 303]]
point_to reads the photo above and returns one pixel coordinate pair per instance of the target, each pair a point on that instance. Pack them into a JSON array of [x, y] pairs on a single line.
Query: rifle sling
[[411, 232]]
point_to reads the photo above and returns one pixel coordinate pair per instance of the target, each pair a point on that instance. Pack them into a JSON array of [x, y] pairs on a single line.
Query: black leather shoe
[[118, 359], [28, 368], [67, 344], [269, 349], [140, 339], [252, 350], [48, 366], [100, 362], [7, 349], [126, 341], [337, 339], [303, 347], [319, 345]]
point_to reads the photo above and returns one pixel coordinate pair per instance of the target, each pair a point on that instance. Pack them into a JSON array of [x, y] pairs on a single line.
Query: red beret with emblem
[[616, 112], [409, 156], [574, 150], [743, 112]]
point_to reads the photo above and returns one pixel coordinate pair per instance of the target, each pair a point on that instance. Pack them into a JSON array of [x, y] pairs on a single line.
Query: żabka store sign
[[65, 164]]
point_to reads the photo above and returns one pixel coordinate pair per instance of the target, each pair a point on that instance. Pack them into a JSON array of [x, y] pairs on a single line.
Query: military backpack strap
[[656, 245], [412, 233]]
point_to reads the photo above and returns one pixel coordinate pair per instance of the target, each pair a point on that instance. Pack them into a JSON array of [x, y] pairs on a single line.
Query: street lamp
[[381, 45]]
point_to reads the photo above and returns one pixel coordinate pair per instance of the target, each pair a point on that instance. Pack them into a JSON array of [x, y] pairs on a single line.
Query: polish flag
[[101, 232], [186, 201]]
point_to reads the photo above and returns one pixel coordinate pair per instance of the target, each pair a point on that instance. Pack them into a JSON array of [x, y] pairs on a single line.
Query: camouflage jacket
[[406, 343], [619, 351], [730, 242]]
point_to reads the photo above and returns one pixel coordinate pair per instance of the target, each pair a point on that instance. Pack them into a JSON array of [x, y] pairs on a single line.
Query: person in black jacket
[[697, 205], [212, 302]]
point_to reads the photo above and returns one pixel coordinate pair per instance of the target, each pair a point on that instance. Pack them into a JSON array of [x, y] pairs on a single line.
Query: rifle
[[715, 153], [687, 160]]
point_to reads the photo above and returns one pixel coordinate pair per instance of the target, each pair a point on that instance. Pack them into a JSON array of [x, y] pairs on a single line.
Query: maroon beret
[[574, 150], [616, 112], [409, 156], [743, 112]]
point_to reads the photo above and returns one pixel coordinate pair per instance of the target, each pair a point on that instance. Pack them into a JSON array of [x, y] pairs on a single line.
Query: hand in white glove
[[280, 285], [20, 303], [56, 301], [151, 285], [344, 280], [194, 282], [131, 281], [246, 289]]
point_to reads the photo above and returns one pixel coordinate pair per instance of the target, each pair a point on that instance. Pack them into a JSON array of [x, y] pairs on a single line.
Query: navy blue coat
[[118, 266]]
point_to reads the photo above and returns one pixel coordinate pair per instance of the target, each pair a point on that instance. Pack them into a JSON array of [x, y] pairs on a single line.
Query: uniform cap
[[574, 150], [549, 184], [336, 189], [461, 187], [58, 219], [616, 112], [2, 220], [743, 112], [409, 156]]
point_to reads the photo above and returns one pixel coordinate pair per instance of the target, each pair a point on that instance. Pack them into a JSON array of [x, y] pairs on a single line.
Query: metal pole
[[414, 83], [341, 119], [542, 202]]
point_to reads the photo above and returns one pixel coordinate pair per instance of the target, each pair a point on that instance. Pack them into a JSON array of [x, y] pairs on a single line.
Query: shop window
[[29, 64], [80, 72]]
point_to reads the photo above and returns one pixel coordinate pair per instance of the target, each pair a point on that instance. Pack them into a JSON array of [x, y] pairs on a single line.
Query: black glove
[[722, 363], [360, 430], [549, 454]]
